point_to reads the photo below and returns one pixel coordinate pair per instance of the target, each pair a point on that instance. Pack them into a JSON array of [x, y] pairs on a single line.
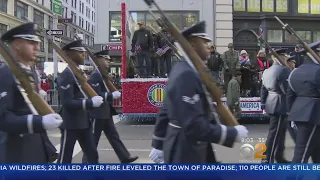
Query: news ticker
[[161, 167]]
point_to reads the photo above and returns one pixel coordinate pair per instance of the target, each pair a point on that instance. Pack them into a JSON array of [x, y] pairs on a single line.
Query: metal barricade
[[117, 103], [53, 98]]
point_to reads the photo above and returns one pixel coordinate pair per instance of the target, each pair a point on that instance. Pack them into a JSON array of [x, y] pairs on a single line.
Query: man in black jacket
[[215, 63], [142, 44], [154, 59], [164, 51]]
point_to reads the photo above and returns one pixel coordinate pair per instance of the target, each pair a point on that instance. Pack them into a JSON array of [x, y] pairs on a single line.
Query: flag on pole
[[165, 48], [159, 52]]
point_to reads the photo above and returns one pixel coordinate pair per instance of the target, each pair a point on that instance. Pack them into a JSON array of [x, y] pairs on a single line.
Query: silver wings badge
[[3, 94], [65, 87]]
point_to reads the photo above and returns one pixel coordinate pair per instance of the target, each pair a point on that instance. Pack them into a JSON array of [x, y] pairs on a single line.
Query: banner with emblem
[[142, 98]]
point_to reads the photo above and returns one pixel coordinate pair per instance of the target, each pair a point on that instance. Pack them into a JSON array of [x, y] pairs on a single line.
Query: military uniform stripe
[[154, 94], [308, 144], [160, 95]]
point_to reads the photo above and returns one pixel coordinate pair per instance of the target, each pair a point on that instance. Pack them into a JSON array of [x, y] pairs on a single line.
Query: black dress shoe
[[53, 157], [129, 160]]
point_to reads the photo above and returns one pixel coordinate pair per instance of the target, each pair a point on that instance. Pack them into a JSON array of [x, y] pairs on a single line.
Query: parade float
[[142, 97]]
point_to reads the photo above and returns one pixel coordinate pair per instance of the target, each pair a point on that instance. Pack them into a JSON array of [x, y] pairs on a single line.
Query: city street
[[137, 138]]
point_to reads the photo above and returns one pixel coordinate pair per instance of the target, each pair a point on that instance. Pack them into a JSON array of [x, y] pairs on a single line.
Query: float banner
[[160, 171], [143, 96], [249, 105]]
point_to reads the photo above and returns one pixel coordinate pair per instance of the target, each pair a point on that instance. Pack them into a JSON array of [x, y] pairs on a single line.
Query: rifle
[[304, 44], [276, 55], [101, 69], [203, 71], [80, 76], [26, 85]]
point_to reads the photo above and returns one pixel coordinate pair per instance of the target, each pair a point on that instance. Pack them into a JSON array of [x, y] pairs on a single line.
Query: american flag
[[159, 52], [165, 48], [261, 30]]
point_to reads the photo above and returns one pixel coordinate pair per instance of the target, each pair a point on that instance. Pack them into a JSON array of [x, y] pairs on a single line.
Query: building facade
[[82, 12], [14, 13], [252, 15], [83, 15], [183, 13]]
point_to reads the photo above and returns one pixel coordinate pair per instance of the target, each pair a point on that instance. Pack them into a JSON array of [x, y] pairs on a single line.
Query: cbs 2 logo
[[248, 151]]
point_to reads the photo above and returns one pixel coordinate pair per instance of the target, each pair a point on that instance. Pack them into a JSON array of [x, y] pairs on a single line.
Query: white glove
[[51, 121], [116, 95], [156, 155], [242, 132], [97, 101], [293, 125]]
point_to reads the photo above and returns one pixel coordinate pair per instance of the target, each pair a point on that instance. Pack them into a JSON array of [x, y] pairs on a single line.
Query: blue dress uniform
[[101, 117], [160, 128], [273, 101], [186, 116], [26, 137], [303, 98], [281, 146], [76, 124]]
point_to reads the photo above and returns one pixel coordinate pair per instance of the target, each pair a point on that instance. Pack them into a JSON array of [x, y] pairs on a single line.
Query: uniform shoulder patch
[[65, 87], [191, 100]]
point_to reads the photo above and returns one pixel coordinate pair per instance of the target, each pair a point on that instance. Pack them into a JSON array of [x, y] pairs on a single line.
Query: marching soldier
[[303, 107], [292, 130], [76, 125], [102, 116], [189, 132], [279, 154], [26, 133], [273, 101]]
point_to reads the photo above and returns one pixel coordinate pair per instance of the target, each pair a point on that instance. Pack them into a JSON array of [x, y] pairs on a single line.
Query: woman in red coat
[[45, 86]]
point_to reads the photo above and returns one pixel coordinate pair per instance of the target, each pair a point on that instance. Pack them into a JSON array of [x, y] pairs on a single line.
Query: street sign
[[57, 7], [54, 32], [59, 39], [69, 20]]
